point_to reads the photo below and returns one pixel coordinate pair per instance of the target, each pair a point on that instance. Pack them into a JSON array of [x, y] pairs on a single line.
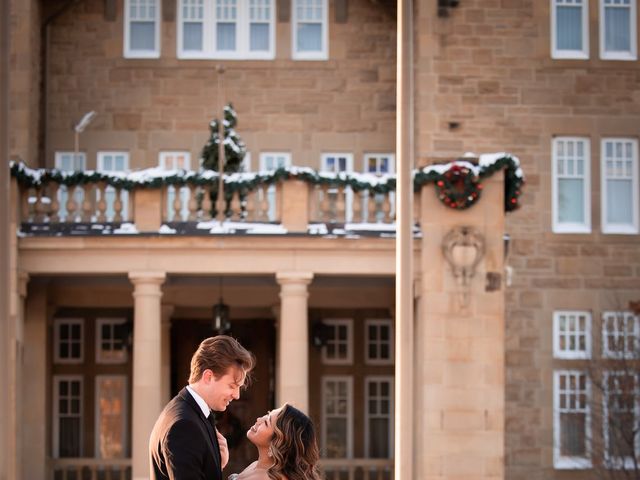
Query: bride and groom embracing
[[185, 444]]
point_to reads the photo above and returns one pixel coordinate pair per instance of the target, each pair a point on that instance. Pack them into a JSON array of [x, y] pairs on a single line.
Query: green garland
[[247, 182]]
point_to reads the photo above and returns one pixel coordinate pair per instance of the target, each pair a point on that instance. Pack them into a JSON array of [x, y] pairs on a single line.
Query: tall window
[[379, 342], [619, 174], [338, 349], [572, 335], [618, 30], [68, 340], [67, 416], [571, 420], [176, 161], [270, 161], [621, 419], [114, 162], [70, 162], [231, 29], [569, 29], [620, 335], [310, 31], [111, 418], [337, 415], [142, 29], [571, 185], [378, 435]]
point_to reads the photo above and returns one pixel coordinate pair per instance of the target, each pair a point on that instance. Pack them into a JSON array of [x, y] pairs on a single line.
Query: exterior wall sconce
[[463, 248]]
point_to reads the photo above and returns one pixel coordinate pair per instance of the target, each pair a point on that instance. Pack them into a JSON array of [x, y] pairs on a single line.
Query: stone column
[[292, 374], [35, 407], [147, 365], [459, 414], [167, 311]]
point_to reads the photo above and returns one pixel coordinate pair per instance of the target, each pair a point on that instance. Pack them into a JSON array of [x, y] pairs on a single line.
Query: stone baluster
[[101, 206]]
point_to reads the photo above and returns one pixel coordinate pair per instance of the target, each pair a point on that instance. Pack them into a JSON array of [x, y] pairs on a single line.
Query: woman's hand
[[224, 449]]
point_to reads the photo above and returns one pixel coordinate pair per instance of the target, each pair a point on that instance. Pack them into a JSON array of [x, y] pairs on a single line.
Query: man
[[184, 443]]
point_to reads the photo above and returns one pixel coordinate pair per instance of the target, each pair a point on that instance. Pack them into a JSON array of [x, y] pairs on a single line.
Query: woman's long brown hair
[[294, 448]]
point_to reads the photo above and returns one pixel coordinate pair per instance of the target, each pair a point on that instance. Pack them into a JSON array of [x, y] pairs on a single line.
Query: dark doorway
[[258, 336]]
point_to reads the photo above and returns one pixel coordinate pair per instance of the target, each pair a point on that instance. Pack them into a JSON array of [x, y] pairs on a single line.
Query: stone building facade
[[488, 75]]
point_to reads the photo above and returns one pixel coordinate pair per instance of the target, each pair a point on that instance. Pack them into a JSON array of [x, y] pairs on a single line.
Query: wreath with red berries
[[459, 187]]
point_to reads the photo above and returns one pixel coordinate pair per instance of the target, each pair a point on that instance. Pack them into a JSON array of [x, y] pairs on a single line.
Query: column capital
[[144, 277], [298, 278]]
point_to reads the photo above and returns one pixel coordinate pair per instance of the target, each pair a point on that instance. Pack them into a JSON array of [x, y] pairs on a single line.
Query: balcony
[[294, 200]]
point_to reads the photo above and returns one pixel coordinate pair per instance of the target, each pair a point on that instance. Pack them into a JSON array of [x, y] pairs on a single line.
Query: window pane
[[617, 30], [336, 442], [259, 37], [619, 201], [379, 438], [69, 437], [569, 28], [309, 37], [571, 200], [192, 39], [142, 36], [572, 428], [111, 410], [226, 36]]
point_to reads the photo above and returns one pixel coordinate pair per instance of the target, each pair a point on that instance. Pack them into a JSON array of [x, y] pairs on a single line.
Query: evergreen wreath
[[458, 187]]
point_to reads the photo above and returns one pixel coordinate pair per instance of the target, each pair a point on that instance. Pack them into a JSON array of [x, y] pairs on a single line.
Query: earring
[[269, 454]]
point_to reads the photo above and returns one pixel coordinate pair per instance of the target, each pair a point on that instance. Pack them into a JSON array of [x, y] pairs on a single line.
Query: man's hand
[[224, 449]]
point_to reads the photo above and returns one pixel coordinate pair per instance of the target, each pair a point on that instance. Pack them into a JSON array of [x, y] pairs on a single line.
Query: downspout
[[44, 77]]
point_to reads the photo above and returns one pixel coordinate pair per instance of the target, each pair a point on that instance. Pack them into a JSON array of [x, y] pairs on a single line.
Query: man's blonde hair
[[218, 354]]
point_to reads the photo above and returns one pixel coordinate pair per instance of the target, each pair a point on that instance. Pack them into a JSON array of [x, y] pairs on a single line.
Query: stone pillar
[[14, 367], [147, 365], [35, 408], [292, 374], [167, 311], [459, 414]]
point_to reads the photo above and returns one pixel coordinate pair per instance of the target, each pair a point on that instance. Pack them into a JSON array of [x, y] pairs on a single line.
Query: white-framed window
[[340, 163], [620, 335], [68, 340], [176, 160], [570, 29], [337, 416], [619, 185], [571, 335], [114, 162], [378, 424], [310, 30], [142, 28], [111, 416], [379, 164], [229, 29], [338, 349], [621, 412], [618, 30], [70, 162], [111, 340], [269, 162], [379, 341], [571, 420], [67, 428], [571, 188]]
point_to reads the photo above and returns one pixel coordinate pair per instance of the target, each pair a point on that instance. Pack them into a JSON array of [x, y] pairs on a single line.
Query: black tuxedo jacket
[[183, 443]]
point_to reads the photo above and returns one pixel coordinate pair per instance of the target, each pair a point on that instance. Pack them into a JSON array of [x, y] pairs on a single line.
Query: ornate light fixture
[[463, 248], [221, 323]]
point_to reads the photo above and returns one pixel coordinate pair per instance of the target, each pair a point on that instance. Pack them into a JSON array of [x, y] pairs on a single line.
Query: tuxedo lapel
[[213, 439]]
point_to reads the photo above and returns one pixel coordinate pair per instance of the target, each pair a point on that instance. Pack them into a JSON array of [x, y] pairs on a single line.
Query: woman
[[287, 448]]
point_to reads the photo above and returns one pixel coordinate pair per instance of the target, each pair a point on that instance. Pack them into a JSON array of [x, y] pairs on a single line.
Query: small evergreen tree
[[234, 147]]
